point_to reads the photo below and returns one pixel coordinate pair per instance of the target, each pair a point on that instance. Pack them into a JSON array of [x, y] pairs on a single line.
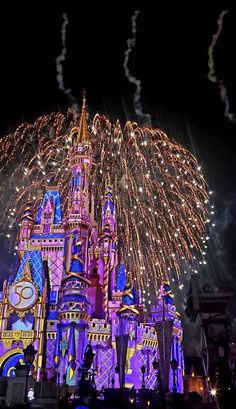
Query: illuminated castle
[[70, 290]]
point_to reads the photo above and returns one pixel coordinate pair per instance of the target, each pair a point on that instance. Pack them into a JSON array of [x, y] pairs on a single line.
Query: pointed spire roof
[[166, 293], [109, 201], [128, 303], [48, 209], [83, 134], [27, 212], [121, 276], [80, 134]]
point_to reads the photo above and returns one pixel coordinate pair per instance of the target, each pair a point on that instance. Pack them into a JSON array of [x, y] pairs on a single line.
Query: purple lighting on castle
[[72, 294]]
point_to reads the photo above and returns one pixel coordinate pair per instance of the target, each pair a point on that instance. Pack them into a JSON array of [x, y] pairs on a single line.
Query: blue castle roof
[[121, 278], [54, 196]]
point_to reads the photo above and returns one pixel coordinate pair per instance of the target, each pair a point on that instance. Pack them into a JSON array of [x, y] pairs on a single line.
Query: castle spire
[[109, 206], [27, 214], [83, 126], [26, 227], [80, 133]]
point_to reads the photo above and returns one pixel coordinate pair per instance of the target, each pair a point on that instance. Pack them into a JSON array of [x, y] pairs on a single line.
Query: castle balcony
[[48, 243], [9, 336], [74, 220]]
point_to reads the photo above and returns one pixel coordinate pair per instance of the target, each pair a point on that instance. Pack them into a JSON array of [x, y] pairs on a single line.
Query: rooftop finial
[[84, 100], [108, 179]]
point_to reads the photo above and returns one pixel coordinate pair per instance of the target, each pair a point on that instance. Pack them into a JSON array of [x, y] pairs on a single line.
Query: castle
[[71, 290]]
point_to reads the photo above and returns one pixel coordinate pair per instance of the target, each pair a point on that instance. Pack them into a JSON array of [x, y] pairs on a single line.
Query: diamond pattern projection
[[50, 352], [55, 266], [150, 375], [36, 267], [107, 361]]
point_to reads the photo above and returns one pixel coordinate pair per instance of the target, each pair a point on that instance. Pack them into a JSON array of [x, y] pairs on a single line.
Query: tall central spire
[[80, 133], [80, 158], [83, 134]]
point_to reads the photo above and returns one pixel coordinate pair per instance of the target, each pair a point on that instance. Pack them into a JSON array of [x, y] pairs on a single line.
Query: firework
[[159, 189]]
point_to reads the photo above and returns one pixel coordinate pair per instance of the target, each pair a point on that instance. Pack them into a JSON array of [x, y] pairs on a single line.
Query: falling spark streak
[[144, 118], [212, 74], [160, 194], [60, 61]]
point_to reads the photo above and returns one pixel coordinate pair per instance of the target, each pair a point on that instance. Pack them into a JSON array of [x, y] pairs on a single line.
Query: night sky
[[170, 58]]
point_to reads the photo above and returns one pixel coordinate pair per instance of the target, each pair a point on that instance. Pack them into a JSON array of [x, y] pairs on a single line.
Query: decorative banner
[[71, 343], [164, 336], [121, 350], [63, 345]]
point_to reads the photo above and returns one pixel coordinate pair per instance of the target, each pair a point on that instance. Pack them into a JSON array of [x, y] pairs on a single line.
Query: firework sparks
[[160, 193]]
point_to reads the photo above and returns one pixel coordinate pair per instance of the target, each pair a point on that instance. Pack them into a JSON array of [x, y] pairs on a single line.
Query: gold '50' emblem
[[22, 295]]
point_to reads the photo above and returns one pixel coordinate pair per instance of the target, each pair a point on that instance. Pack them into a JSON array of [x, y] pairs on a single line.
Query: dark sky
[[170, 58]]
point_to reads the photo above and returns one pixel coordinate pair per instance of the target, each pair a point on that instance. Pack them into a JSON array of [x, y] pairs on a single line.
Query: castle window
[[46, 228]]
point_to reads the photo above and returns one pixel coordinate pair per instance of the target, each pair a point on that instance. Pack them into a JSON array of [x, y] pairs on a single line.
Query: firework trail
[[212, 74], [60, 61], [144, 118], [160, 192]]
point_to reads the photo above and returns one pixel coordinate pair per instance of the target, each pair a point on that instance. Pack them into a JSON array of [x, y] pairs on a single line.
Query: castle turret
[[73, 313], [80, 163], [169, 335], [128, 305], [108, 239], [26, 228], [78, 219], [127, 333]]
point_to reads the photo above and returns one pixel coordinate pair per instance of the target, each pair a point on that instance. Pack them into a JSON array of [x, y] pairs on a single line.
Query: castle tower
[[26, 228], [48, 235], [117, 293], [127, 334], [169, 335], [78, 219], [73, 305], [108, 238]]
